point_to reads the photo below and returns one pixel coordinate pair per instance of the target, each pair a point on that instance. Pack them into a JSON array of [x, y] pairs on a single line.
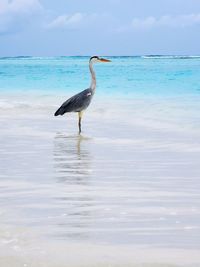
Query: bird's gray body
[[76, 103]]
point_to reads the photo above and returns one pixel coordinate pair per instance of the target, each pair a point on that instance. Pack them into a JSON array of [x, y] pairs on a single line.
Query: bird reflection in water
[[72, 163], [72, 158]]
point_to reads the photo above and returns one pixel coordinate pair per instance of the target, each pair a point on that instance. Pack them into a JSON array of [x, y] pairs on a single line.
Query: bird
[[80, 102]]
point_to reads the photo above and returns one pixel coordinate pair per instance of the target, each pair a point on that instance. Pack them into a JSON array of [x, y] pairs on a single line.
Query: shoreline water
[[124, 193]]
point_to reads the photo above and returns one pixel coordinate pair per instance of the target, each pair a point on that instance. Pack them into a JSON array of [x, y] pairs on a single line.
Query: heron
[[80, 102]]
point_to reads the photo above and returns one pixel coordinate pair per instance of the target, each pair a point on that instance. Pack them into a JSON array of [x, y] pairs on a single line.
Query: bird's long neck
[[93, 77]]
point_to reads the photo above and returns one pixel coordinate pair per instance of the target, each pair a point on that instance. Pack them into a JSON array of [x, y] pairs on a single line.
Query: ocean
[[125, 76], [123, 193]]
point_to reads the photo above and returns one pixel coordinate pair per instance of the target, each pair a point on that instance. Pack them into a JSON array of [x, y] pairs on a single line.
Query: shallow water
[[124, 193]]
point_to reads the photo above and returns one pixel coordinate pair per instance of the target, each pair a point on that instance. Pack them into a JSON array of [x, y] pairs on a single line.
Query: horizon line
[[139, 55]]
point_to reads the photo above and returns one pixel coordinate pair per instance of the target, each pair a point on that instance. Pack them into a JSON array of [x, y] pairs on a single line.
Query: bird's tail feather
[[60, 111]]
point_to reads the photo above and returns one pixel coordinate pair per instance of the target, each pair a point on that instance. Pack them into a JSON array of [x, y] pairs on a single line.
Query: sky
[[103, 27]]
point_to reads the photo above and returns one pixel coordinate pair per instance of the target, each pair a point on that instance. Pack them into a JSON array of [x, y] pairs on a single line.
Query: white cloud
[[67, 21], [164, 21], [143, 23], [16, 12], [19, 6], [81, 21]]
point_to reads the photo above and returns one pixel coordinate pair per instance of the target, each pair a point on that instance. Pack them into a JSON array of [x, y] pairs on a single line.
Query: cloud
[[15, 13], [67, 21], [150, 22], [81, 21]]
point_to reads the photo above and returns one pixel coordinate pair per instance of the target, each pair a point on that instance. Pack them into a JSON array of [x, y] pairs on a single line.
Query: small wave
[[29, 58], [16, 57], [5, 105], [82, 57], [13, 104], [169, 57]]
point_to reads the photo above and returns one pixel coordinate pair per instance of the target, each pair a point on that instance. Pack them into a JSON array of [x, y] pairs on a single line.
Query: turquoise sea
[[126, 76], [123, 193]]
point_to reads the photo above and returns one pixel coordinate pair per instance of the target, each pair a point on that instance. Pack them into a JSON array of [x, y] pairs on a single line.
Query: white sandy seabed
[[124, 193]]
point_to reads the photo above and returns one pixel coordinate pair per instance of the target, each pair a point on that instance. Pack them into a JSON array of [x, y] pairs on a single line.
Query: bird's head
[[96, 59]]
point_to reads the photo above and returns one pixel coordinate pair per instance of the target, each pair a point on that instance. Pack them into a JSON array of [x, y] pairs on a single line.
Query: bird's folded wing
[[75, 103]]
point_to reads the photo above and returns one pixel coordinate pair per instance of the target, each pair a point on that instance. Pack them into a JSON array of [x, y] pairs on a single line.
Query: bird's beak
[[104, 60]]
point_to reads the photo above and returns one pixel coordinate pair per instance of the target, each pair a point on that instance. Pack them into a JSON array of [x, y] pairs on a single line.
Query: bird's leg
[[80, 113]]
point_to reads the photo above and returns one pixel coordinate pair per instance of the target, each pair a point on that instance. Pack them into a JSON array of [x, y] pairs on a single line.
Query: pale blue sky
[[106, 27]]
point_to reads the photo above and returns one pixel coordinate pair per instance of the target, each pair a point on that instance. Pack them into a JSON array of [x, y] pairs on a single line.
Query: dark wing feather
[[76, 103]]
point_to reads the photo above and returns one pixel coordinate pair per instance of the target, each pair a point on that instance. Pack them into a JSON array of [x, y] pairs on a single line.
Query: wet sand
[[124, 193]]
